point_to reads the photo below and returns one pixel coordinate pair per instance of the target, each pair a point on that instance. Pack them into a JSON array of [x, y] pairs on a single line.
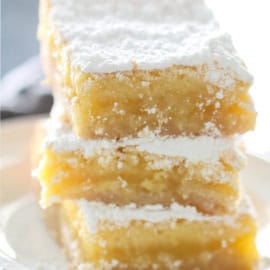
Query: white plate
[[25, 241]]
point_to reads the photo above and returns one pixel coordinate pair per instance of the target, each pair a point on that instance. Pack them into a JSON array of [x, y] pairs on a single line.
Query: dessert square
[[166, 68], [141, 154], [201, 171], [98, 236]]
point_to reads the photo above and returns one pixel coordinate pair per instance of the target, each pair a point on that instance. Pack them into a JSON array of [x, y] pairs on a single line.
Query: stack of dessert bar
[[142, 151]]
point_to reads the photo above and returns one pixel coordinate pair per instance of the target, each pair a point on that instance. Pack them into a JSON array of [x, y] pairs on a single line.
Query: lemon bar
[[99, 236], [165, 67], [200, 171]]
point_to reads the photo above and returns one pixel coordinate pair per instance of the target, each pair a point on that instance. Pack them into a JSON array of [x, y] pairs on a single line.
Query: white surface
[[119, 35], [24, 236], [248, 22]]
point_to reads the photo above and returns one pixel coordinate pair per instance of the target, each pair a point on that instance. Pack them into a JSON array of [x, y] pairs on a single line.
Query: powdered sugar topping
[[200, 148], [108, 36], [96, 212]]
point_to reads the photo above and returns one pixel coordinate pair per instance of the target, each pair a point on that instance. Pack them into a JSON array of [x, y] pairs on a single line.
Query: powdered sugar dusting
[[109, 36], [200, 148], [195, 149], [96, 212]]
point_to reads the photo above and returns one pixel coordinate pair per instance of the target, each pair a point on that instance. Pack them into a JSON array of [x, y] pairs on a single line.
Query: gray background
[[18, 38]]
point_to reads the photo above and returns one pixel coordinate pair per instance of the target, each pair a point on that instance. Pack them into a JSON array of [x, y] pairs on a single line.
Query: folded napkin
[[23, 93]]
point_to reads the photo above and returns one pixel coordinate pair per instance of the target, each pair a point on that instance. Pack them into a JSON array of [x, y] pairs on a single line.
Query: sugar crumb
[[145, 84], [122, 182], [120, 164], [224, 243], [217, 105], [151, 110], [177, 263], [219, 95]]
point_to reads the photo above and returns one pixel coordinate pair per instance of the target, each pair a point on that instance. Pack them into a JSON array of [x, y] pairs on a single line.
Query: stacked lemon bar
[[142, 151]]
